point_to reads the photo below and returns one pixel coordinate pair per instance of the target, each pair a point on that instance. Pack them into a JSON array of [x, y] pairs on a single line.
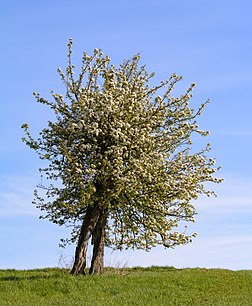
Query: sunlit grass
[[136, 286]]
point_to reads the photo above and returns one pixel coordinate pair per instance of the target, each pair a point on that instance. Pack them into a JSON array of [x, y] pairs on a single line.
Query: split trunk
[[93, 226]]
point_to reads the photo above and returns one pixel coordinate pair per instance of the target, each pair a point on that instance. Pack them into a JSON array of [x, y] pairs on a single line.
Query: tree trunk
[[88, 226], [98, 240]]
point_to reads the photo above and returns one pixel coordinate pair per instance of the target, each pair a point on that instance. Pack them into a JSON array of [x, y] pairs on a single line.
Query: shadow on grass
[[155, 268], [13, 278], [16, 275], [55, 273]]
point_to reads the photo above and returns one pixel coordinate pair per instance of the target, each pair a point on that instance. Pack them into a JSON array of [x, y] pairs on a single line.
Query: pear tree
[[121, 167]]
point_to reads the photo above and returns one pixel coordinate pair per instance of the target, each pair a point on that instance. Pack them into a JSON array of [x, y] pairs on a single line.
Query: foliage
[[152, 286], [120, 142]]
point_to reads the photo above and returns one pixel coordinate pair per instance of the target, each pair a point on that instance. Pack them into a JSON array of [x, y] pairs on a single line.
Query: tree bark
[[98, 241], [89, 223]]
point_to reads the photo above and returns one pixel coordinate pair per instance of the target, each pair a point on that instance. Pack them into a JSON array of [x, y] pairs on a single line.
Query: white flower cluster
[[117, 142]]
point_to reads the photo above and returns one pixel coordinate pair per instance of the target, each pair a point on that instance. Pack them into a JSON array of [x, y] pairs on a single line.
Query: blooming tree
[[121, 151]]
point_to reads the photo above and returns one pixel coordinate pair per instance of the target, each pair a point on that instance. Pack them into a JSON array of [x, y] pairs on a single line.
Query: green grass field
[[136, 286]]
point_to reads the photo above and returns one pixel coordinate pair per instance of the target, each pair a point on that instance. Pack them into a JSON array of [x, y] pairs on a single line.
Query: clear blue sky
[[207, 42]]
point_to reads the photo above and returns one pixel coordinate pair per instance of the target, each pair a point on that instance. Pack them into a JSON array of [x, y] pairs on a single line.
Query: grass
[[135, 286]]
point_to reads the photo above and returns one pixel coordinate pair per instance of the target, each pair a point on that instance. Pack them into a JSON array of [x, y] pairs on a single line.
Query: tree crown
[[125, 145]]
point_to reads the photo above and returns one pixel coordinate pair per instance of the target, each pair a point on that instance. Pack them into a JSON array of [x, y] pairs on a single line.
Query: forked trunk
[[98, 240], [88, 226]]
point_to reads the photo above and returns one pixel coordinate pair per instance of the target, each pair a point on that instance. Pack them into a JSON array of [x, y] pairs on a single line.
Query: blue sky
[[207, 42]]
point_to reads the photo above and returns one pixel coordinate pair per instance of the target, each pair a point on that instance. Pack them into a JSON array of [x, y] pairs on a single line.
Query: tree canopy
[[121, 166]]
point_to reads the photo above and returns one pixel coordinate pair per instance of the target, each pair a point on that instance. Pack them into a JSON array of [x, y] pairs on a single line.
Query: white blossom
[[126, 145]]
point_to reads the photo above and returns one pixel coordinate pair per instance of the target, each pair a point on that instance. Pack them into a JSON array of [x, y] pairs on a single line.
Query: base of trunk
[[98, 240], [80, 261], [89, 223]]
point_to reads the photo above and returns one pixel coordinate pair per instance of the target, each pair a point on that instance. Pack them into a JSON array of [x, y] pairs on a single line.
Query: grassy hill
[[136, 286]]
